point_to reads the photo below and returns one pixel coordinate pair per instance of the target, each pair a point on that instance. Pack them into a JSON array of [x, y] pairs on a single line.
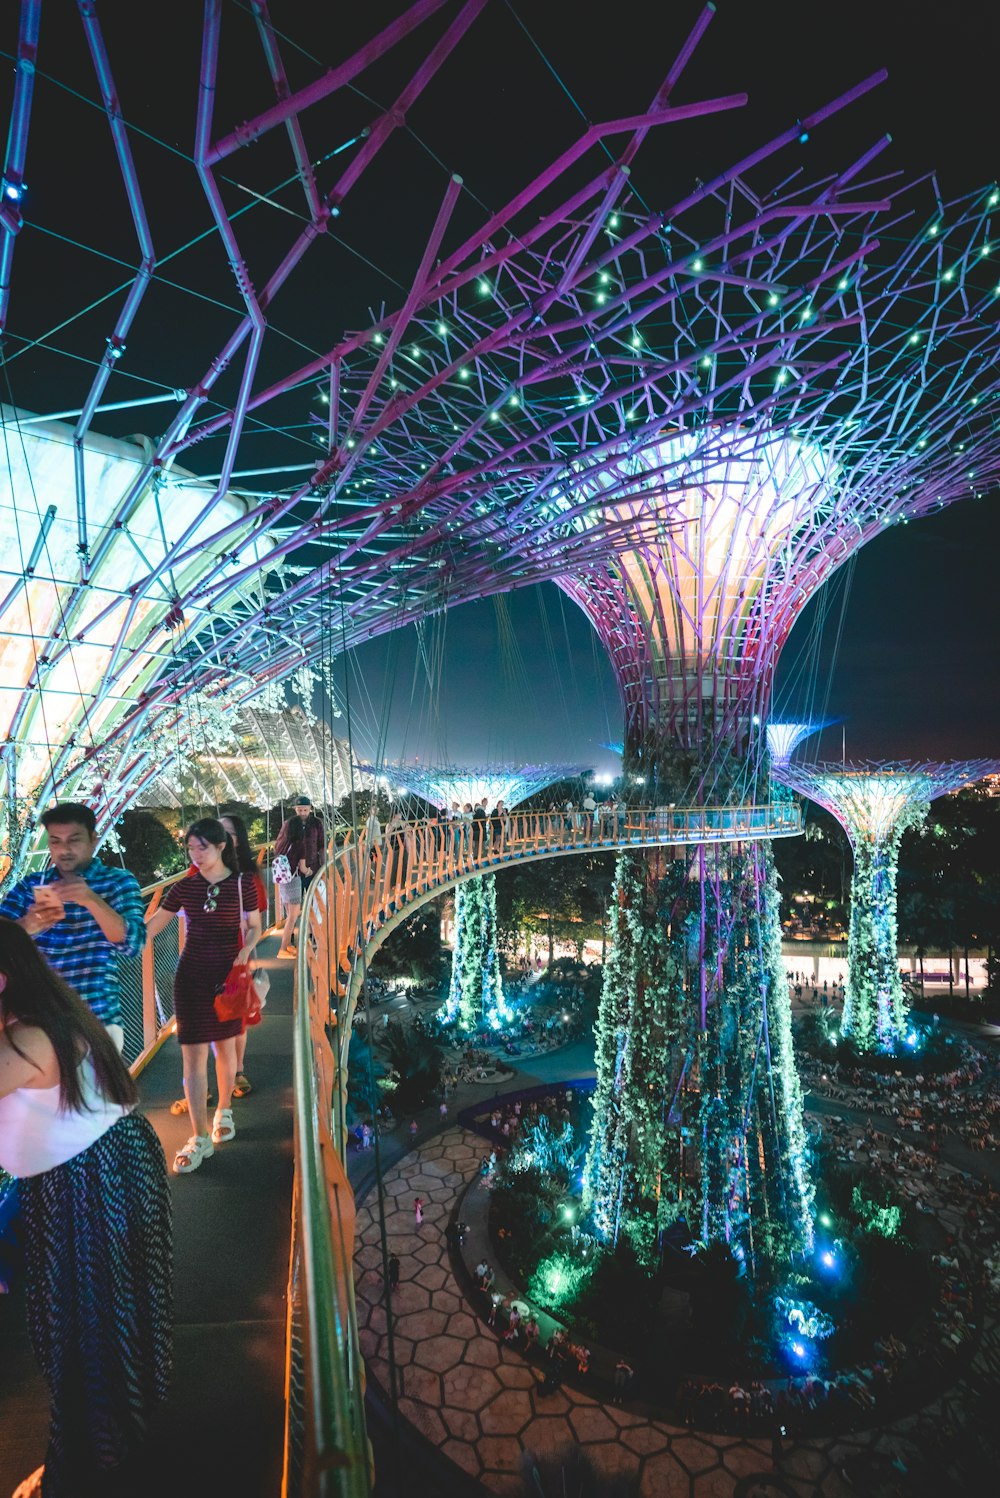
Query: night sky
[[912, 671]]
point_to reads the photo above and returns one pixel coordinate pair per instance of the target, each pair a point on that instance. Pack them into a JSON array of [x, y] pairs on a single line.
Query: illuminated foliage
[[475, 993], [559, 1280], [699, 1077], [883, 1218]]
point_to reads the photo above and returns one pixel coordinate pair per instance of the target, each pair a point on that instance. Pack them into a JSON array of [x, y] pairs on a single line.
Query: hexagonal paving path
[[478, 1401]]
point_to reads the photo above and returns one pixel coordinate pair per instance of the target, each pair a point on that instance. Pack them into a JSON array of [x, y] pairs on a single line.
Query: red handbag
[[239, 997]]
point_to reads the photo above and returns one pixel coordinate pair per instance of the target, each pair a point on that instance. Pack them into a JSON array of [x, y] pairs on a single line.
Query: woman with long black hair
[[92, 1185], [222, 915]]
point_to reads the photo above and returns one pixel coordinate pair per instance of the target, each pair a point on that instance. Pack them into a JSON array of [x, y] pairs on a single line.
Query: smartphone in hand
[[48, 900]]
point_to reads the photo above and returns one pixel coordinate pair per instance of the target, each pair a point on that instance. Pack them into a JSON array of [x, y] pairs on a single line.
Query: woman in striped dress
[[92, 1185], [222, 920]]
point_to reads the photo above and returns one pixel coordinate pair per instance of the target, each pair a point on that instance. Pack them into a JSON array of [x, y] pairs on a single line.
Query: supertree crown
[[870, 797], [443, 784], [784, 738]]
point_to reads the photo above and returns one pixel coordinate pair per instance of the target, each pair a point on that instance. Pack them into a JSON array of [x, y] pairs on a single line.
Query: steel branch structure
[[875, 802], [573, 320], [784, 738]]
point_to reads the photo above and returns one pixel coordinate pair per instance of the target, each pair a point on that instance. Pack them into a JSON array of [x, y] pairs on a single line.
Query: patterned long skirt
[[100, 1303]]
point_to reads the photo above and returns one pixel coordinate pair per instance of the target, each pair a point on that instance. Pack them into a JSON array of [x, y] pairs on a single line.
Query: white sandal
[[223, 1127], [199, 1147]]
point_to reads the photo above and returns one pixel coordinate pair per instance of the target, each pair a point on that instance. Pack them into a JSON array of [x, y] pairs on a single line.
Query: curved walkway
[[368, 888], [478, 1402]]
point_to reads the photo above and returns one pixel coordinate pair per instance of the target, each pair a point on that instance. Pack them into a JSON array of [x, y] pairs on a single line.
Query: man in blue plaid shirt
[[83, 914]]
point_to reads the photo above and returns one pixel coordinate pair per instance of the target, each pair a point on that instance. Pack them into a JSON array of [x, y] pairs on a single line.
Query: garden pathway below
[[478, 1401]]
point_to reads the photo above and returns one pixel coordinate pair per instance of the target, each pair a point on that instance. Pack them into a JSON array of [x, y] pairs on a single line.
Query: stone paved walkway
[[478, 1401]]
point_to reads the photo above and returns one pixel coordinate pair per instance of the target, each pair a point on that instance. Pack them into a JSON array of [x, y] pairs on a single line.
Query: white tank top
[[36, 1135]]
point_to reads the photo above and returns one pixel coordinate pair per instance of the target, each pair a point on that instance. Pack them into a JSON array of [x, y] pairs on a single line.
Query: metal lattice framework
[[875, 802], [572, 320], [725, 397]]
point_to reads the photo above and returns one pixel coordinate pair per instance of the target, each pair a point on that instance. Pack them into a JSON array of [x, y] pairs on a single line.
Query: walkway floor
[[222, 1428], [479, 1404]]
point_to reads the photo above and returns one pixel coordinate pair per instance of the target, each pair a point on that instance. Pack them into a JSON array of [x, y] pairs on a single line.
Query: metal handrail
[[368, 888], [335, 1458]]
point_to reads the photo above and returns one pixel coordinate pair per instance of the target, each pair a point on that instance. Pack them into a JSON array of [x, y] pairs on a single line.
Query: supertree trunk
[[874, 1003], [475, 993], [631, 1178], [695, 1066]]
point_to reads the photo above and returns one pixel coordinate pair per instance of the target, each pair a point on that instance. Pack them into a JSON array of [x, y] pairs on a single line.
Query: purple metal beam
[[332, 80], [17, 145], [116, 343]]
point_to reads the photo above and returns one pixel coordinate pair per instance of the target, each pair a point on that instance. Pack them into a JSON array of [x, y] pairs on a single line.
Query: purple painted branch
[[280, 80], [402, 322], [322, 88]]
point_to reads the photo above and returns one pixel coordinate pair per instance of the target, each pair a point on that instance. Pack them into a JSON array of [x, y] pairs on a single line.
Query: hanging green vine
[[875, 1012], [475, 991], [722, 1096]]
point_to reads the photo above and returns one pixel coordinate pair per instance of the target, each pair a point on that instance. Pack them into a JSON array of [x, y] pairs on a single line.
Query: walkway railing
[[364, 888]]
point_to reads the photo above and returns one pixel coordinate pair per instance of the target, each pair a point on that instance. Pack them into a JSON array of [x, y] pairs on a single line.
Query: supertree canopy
[[475, 991], [784, 738], [875, 802], [442, 785], [571, 320]]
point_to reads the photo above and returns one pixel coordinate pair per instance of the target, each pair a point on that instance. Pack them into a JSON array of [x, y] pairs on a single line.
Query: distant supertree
[[875, 802], [784, 738], [475, 992]]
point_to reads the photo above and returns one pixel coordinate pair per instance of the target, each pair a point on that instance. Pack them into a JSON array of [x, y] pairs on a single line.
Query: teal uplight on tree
[[633, 1160], [875, 803]]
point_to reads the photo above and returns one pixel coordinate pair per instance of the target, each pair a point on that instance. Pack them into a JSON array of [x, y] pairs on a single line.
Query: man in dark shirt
[[302, 841]]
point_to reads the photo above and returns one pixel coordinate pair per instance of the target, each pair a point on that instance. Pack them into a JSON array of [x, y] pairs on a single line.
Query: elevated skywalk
[[245, 1234], [222, 1429]]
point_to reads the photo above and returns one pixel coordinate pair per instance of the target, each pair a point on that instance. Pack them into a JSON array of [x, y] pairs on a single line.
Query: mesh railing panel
[[130, 984], [166, 948]]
